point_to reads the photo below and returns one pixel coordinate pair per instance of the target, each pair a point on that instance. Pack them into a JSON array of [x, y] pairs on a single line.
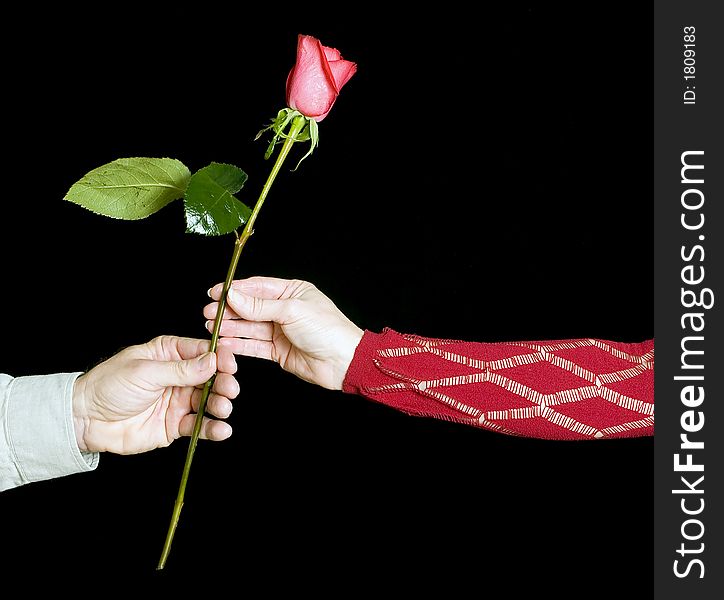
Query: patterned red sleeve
[[560, 390]]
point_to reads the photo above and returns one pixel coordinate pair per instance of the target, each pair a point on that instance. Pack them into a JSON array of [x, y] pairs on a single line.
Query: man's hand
[[145, 396]]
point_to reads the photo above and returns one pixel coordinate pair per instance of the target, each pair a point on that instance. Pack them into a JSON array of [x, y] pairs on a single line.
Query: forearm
[[570, 389]]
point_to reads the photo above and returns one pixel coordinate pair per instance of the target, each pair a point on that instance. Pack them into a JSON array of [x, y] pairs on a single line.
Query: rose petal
[[342, 71], [332, 53]]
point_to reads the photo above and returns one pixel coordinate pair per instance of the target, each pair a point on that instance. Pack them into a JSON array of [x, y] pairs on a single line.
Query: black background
[[483, 178]]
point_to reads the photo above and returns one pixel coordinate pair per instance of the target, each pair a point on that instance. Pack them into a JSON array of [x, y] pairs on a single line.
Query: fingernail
[[207, 324], [208, 292], [205, 361]]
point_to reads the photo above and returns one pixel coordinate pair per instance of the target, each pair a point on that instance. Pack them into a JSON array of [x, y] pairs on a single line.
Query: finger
[[172, 347], [210, 428], [225, 361], [252, 308], [226, 385], [164, 373], [216, 405], [188, 348], [262, 330], [254, 348], [269, 288], [210, 311]]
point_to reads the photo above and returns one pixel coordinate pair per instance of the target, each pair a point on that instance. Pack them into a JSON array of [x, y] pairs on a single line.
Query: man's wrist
[[80, 413]]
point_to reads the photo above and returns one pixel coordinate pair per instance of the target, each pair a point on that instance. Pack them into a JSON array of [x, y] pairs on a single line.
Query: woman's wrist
[[347, 347]]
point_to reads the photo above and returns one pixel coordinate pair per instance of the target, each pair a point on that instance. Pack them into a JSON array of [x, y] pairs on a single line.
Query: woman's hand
[[290, 322]]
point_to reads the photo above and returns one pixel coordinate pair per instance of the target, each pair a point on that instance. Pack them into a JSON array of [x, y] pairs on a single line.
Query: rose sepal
[[280, 126]]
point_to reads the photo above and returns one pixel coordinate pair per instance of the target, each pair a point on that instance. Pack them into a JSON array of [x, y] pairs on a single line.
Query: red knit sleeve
[[566, 390]]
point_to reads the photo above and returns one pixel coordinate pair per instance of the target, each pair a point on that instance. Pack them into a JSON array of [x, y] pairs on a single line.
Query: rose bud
[[317, 78]]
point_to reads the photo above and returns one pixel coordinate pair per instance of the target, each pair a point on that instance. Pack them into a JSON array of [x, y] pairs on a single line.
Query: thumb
[[193, 371], [252, 308]]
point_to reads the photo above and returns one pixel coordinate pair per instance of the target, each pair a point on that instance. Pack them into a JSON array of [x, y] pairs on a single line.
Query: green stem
[[297, 126]]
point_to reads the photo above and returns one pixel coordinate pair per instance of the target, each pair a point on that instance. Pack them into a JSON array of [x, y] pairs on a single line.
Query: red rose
[[316, 79]]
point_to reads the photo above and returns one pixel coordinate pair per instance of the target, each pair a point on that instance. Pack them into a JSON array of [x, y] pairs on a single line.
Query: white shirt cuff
[[40, 428]]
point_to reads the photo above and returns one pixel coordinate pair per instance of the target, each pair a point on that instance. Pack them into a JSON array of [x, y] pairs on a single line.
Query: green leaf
[[131, 188], [211, 208]]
